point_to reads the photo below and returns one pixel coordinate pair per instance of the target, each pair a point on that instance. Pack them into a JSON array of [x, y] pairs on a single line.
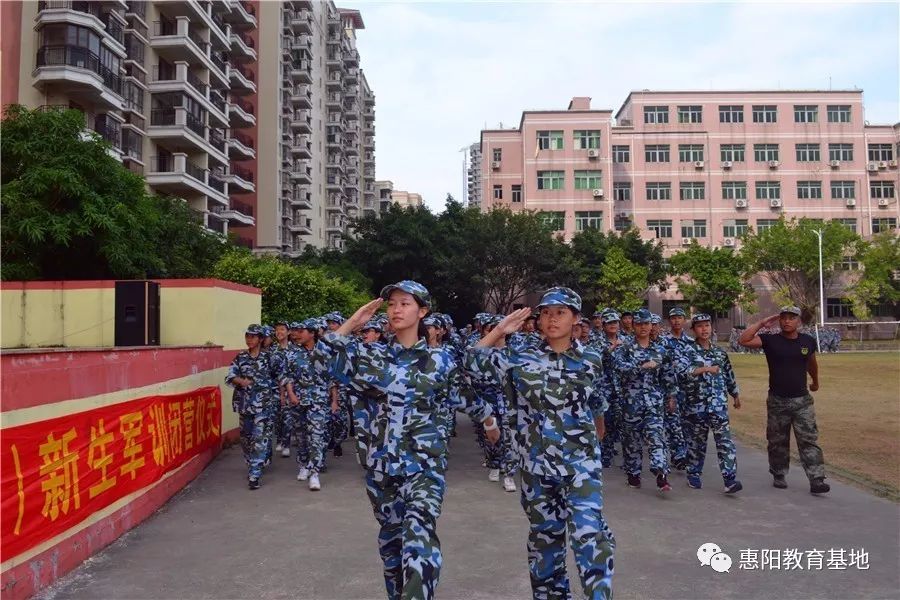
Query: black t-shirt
[[787, 360]]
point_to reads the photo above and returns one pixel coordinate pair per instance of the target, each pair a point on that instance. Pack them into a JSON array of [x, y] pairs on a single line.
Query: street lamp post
[[818, 233]]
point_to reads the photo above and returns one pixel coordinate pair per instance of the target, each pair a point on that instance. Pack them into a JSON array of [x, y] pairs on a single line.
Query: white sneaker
[[303, 474], [314, 484], [494, 475], [509, 484], [278, 447], [285, 452]]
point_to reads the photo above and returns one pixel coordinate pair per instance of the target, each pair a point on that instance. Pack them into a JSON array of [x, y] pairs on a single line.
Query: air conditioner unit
[[495, 164], [727, 164], [728, 242], [892, 164], [883, 202], [834, 163], [740, 204], [882, 164], [598, 193], [851, 201], [773, 164], [622, 215], [698, 164], [593, 153], [775, 203], [872, 166], [686, 241]]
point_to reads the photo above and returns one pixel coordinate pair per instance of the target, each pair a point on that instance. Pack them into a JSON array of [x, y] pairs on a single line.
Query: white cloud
[[442, 71]]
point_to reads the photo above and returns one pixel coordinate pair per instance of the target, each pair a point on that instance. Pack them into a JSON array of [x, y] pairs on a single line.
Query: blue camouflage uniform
[[558, 398], [339, 422], [613, 415], [255, 404], [679, 350], [407, 456], [286, 415]]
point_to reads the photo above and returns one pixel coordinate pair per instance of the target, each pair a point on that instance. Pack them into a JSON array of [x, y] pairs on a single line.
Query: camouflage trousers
[[339, 423], [363, 410], [502, 455], [697, 428], [644, 423], [289, 417], [407, 508], [256, 439], [799, 414], [312, 422], [675, 438], [612, 418], [553, 506]]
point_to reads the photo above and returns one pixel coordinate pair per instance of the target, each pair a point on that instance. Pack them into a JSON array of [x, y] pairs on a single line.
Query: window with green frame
[[556, 220], [587, 139], [550, 180], [588, 180], [550, 140]]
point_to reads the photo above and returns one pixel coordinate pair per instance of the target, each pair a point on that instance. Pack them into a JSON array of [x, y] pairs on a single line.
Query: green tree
[[620, 282], [335, 263], [289, 291], [787, 253], [879, 280], [713, 279]]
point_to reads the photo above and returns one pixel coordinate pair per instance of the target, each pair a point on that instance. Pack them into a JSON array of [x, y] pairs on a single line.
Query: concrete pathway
[[216, 539]]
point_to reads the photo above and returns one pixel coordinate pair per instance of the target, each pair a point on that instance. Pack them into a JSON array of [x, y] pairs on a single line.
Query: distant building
[[473, 195], [386, 194]]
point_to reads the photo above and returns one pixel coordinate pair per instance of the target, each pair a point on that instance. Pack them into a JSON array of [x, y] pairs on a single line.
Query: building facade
[[473, 173], [387, 195]]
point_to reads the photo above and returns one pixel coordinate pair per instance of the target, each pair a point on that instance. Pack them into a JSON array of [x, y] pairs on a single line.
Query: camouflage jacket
[[309, 383], [265, 373], [680, 350], [417, 382], [557, 396], [644, 387], [707, 392], [283, 357]]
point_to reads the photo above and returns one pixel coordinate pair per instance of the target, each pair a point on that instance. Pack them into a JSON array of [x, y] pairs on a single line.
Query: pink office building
[[698, 165]]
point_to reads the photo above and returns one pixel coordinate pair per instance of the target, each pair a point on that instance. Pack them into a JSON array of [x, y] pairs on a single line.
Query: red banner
[[56, 473]]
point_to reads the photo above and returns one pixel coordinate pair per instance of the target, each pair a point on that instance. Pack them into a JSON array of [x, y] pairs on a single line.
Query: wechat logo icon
[[711, 555]]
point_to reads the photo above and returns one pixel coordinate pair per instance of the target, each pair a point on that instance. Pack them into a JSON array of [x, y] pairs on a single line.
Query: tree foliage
[[879, 280], [72, 211], [620, 282], [713, 279]]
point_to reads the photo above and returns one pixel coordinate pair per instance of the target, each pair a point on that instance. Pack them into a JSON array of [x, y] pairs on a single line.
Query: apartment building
[[317, 127], [473, 173], [698, 165], [387, 195], [164, 82]]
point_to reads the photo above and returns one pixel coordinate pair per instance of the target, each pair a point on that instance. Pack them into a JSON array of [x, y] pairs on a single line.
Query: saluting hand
[[512, 322], [360, 317]]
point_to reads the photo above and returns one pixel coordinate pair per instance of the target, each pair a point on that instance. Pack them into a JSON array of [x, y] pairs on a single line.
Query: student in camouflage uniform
[[251, 375], [679, 345], [560, 401], [626, 323], [790, 355], [339, 421], [646, 376], [606, 343], [407, 456], [283, 350], [707, 381]]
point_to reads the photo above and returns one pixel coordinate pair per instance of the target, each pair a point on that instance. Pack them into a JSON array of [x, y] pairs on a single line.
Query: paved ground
[[216, 539]]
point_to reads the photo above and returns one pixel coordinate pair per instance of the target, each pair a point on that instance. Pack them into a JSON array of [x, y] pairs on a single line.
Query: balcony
[[335, 204], [300, 200], [301, 71], [333, 100], [174, 174], [85, 14], [239, 180], [334, 183], [301, 173], [79, 69], [240, 146], [242, 47], [351, 111], [351, 76], [369, 99], [335, 163], [333, 141], [334, 226], [242, 15], [333, 60], [137, 7], [369, 143], [243, 80], [335, 123], [301, 148], [301, 21], [301, 97], [111, 131], [182, 131], [369, 127], [238, 213], [240, 114], [177, 41], [334, 83], [165, 78], [302, 122], [351, 58]]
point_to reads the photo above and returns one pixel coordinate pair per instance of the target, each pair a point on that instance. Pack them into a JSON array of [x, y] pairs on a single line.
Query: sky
[[443, 71]]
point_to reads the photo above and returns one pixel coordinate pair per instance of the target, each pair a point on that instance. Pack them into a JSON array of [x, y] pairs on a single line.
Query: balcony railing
[[162, 117], [249, 8], [197, 84], [109, 130], [113, 28], [91, 8], [220, 62], [247, 74], [134, 48], [201, 43], [242, 138], [217, 140], [138, 7], [244, 209], [216, 184], [245, 106], [195, 124], [76, 56], [244, 174], [197, 172], [218, 100], [137, 26], [132, 71]]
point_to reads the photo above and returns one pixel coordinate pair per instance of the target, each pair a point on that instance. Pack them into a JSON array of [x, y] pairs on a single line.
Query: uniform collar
[[575, 350], [420, 346]]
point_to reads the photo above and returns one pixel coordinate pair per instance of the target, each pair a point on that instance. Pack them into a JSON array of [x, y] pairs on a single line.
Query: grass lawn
[[857, 411]]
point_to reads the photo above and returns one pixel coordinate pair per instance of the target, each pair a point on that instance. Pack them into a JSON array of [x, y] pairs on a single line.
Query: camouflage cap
[[610, 316], [296, 325], [335, 317], [494, 320], [626, 312], [642, 315], [448, 320], [281, 322], [791, 310], [561, 296], [700, 318], [308, 324], [431, 321], [655, 319], [677, 312], [254, 330], [372, 324], [598, 314], [268, 330], [410, 287]]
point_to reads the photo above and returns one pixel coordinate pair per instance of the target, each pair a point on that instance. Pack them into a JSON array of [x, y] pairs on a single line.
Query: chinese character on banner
[[793, 559], [814, 559], [837, 559], [200, 421], [159, 433], [771, 559], [60, 488], [99, 458], [859, 559], [176, 436], [131, 425], [212, 422], [187, 413], [749, 559]]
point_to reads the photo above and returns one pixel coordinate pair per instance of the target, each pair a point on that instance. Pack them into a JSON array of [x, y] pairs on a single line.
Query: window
[[661, 227], [847, 263], [838, 113], [622, 223], [550, 140], [840, 152], [768, 190], [841, 190], [656, 153], [497, 154], [735, 227], [881, 189], [693, 228], [763, 224], [517, 192], [587, 180], [884, 309], [734, 190], [587, 138], [765, 152], [656, 114], [806, 113], [809, 190], [622, 191], [659, 191], [498, 192], [692, 190], [838, 308], [808, 153], [550, 180], [884, 224], [621, 154], [879, 152], [556, 220], [690, 114], [765, 113], [848, 223], [690, 152], [731, 113], [732, 152], [591, 219]]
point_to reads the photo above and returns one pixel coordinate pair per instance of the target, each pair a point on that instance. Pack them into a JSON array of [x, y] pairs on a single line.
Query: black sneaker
[[733, 486], [634, 481], [680, 464], [779, 482], [253, 484], [338, 451], [818, 486], [662, 483]]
